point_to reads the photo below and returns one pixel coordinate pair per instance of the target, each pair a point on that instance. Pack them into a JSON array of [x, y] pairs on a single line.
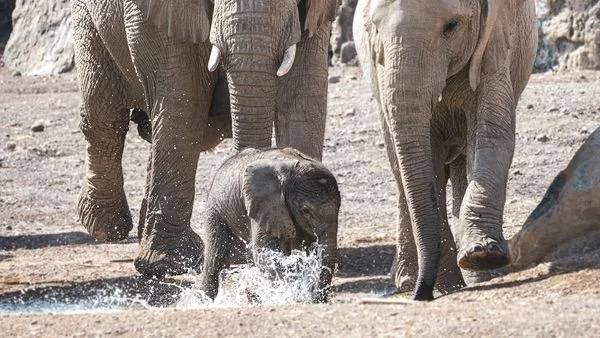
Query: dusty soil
[[44, 252]]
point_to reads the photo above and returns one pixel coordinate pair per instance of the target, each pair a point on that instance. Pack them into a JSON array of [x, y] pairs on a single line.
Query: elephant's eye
[[451, 27]]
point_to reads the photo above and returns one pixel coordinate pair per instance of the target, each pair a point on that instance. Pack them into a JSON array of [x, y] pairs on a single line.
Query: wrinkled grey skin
[[154, 56], [447, 76], [276, 199]]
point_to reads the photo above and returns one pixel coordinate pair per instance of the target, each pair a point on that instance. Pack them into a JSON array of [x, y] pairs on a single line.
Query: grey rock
[[40, 42], [348, 52], [38, 126], [334, 79], [542, 138], [10, 146], [569, 210]]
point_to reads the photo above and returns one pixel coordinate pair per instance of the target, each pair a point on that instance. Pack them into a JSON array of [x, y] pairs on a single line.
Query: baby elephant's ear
[[184, 20], [264, 198]]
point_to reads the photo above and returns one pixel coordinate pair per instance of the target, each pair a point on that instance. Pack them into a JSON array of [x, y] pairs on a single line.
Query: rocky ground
[[44, 253]]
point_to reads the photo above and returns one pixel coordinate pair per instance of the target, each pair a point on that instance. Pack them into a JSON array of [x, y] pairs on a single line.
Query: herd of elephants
[[446, 75]]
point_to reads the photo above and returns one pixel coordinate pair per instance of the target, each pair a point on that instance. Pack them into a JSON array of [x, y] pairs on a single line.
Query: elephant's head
[[255, 42], [417, 46], [295, 201]]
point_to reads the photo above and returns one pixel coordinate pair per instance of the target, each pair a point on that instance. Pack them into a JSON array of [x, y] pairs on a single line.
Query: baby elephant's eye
[[451, 27]]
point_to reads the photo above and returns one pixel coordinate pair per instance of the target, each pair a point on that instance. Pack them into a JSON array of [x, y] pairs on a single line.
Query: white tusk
[[288, 61], [214, 59]]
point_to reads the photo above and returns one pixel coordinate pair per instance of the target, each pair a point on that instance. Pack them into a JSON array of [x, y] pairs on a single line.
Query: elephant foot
[[169, 254], [487, 255], [404, 275], [106, 220]]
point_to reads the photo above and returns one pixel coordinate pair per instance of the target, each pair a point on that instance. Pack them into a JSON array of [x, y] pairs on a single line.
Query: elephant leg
[[218, 241], [302, 97], [173, 77], [490, 147], [102, 206], [144, 205], [458, 179]]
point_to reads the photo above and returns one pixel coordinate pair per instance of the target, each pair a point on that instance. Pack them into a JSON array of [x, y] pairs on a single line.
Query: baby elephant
[[276, 199]]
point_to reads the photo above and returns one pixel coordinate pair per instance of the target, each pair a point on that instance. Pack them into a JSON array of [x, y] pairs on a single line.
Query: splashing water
[[273, 279]]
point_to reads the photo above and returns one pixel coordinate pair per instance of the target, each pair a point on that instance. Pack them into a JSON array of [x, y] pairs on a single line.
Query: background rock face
[[40, 42], [6, 8], [569, 34]]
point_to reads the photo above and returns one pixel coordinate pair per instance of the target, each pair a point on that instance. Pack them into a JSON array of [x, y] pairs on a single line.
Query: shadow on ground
[[49, 240]]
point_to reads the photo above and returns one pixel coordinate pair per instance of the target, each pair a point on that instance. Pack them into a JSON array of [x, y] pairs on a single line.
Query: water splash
[[274, 279]]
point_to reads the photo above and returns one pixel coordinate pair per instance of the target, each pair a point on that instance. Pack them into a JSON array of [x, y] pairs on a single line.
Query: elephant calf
[[277, 199]]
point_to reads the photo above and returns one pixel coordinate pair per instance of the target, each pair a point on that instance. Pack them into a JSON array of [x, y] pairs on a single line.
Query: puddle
[[275, 279]]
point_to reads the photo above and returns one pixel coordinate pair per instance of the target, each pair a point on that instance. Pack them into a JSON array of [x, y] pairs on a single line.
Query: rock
[[342, 29], [38, 126], [16, 73], [348, 53], [542, 138], [529, 106], [569, 35], [553, 109], [40, 42], [10, 146], [334, 79], [570, 208], [6, 9]]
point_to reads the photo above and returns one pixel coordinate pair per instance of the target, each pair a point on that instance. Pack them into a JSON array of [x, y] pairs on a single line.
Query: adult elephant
[[447, 76], [154, 55]]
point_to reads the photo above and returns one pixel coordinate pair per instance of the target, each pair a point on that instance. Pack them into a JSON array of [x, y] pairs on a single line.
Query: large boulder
[[570, 209], [40, 42], [569, 33]]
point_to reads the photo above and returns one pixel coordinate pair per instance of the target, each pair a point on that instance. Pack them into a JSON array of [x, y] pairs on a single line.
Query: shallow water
[[274, 279]]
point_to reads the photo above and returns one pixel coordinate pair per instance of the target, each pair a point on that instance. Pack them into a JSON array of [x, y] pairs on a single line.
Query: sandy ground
[[44, 252]]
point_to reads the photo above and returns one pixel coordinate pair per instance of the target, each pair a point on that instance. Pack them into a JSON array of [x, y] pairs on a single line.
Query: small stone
[[350, 112], [543, 138], [10, 146], [530, 106], [353, 77], [380, 144], [517, 173], [334, 79], [8, 227], [553, 109], [584, 131], [16, 73], [38, 126]]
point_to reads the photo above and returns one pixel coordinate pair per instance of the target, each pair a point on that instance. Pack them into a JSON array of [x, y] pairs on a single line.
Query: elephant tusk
[[214, 59], [288, 61]]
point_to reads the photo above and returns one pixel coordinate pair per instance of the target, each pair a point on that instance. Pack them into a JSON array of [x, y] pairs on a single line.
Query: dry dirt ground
[[44, 252]]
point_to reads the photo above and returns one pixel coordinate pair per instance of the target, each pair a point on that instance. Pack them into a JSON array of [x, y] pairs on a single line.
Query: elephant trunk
[[409, 86], [252, 89]]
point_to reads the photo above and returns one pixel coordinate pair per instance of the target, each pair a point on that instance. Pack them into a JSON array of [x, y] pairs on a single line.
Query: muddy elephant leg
[[144, 205], [177, 86], [302, 97], [102, 205], [491, 140], [449, 276], [218, 243]]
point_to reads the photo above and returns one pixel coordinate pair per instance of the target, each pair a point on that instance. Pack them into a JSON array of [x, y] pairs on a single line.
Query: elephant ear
[[318, 12], [184, 20], [490, 10], [264, 198]]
